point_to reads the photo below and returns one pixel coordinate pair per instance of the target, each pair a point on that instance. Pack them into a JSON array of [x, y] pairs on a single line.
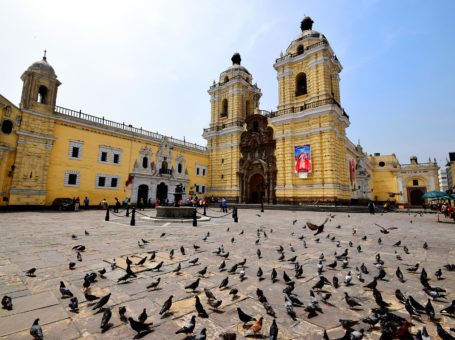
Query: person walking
[[86, 202]]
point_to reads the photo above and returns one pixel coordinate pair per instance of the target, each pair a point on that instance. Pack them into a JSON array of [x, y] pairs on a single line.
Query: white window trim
[[66, 178], [201, 168], [77, 144], [107, 181], [119, 153]]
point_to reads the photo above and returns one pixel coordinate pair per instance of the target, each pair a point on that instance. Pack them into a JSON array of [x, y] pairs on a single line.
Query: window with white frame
[[75, 149], [107, 181], [72, 178], [200, 170], [116, 156], [199, 188], [103, 154]]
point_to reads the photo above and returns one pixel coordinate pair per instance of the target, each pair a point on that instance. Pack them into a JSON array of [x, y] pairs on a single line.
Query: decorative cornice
[[35, 135]]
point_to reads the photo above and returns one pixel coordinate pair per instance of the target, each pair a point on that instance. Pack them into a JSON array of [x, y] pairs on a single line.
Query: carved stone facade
[[257, 165]]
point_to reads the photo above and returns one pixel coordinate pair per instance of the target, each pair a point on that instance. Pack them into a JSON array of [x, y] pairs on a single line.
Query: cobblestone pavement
[[44, 240]]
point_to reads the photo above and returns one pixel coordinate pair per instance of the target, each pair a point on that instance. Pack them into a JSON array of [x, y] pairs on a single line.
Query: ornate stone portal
[[257, 165]]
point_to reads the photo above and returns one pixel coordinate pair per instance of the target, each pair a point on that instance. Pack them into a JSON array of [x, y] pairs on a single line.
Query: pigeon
[[449, 267], [158, 266], [332, 265], [31, 272], [286, 277], [413, 269], [273, 332], [171, 254], [450, 310], [320, 283], [122, 312], [90, 297], [258, 253], [154, 284], [189, 327], [433, 293], [352, 302], [142, 261], [348, 279], [202, 272], [79, 247], [429, 310], [202, 334], [325, 297], [193, 285], [113, 265], [259, 274], [438, 274], [242, 275], [143, 316], [167, 305], [399, 275], [194, 261], [7, 302], [102, 301], [400, 296], [222, 266], [319, 228], [105, 320], [233, 269], [410, 309], [199, 308], [139, 327], [182, 250], [346, 324], [443, 333], [215, 303], [152, 257], [65, 291], [177, 269], [245, 318], [209, 294], [225, 256], [196, 247], [79, 256], [71, 265], [162, 235], [335, 282], [102, 272], [233, 292], [289, 308], [273, 275], [35, 331], [86, 233], [74, 304], [224, 283], [372, 284]]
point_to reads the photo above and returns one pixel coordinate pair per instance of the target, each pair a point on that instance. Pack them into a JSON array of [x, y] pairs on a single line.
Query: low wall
[[174, 212]]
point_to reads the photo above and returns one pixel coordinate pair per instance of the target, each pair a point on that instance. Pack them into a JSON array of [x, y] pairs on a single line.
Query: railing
[[221, 126], [101, 121], [306, 106], [310, 47]]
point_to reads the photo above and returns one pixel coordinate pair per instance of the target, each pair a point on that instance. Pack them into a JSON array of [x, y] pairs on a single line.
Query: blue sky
[[150, 63]]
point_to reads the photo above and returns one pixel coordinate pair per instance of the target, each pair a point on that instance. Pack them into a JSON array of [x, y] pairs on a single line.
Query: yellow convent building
[[298, 153]]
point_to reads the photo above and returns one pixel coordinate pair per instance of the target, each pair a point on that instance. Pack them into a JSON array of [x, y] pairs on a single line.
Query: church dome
[[42, 65]]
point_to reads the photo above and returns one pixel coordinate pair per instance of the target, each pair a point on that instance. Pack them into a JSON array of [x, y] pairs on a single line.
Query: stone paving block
[[60, 330], [18, 322], [30, 302]]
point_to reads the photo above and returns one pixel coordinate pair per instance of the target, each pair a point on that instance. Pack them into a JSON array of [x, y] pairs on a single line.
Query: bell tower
[[39, 91], [233, 98], [35, 134], [310, 122]]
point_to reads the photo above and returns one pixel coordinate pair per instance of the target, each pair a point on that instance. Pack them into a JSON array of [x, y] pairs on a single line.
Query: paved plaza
[[44, 240]]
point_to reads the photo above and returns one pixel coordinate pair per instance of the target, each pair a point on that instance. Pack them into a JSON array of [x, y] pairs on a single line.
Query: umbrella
[[435, 194]]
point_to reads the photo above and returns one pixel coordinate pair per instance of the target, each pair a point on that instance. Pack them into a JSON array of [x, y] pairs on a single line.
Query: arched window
[[224, 110], [300, 50], [42, 94], [179, 168], [300, 84], [226, 79], [248, 109], [145, 162]]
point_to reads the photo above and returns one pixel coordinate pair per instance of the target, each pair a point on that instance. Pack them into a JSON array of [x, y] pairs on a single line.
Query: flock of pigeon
[[351, 261]]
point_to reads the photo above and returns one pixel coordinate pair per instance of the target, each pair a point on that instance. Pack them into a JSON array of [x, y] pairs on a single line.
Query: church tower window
[[224, 111], [42, 94], [300, 50], [300, 84], [145, 162]]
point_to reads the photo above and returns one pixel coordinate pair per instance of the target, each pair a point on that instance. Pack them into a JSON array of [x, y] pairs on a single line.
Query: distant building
[[443, 183], [450, 170]]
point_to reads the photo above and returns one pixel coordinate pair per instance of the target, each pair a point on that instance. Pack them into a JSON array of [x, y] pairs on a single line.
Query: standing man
[[86, 202], [372, 207]]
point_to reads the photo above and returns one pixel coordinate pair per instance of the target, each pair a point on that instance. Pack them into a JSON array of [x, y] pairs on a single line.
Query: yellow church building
[[298, 153]]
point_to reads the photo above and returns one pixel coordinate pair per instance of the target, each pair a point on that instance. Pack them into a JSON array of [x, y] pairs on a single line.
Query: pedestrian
[[86, 202], [372, 207], [103, 204], [224, 205], [117, 205], [77, 203]]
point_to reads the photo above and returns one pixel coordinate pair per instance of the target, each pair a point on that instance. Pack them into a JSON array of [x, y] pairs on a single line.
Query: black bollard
[[127, 211], [236, 217], [205, 210], [133, 217], [107, 214], [194, 218], [262, 205]]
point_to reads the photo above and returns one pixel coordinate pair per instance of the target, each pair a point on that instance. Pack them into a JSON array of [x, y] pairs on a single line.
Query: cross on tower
[[44, 57]]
